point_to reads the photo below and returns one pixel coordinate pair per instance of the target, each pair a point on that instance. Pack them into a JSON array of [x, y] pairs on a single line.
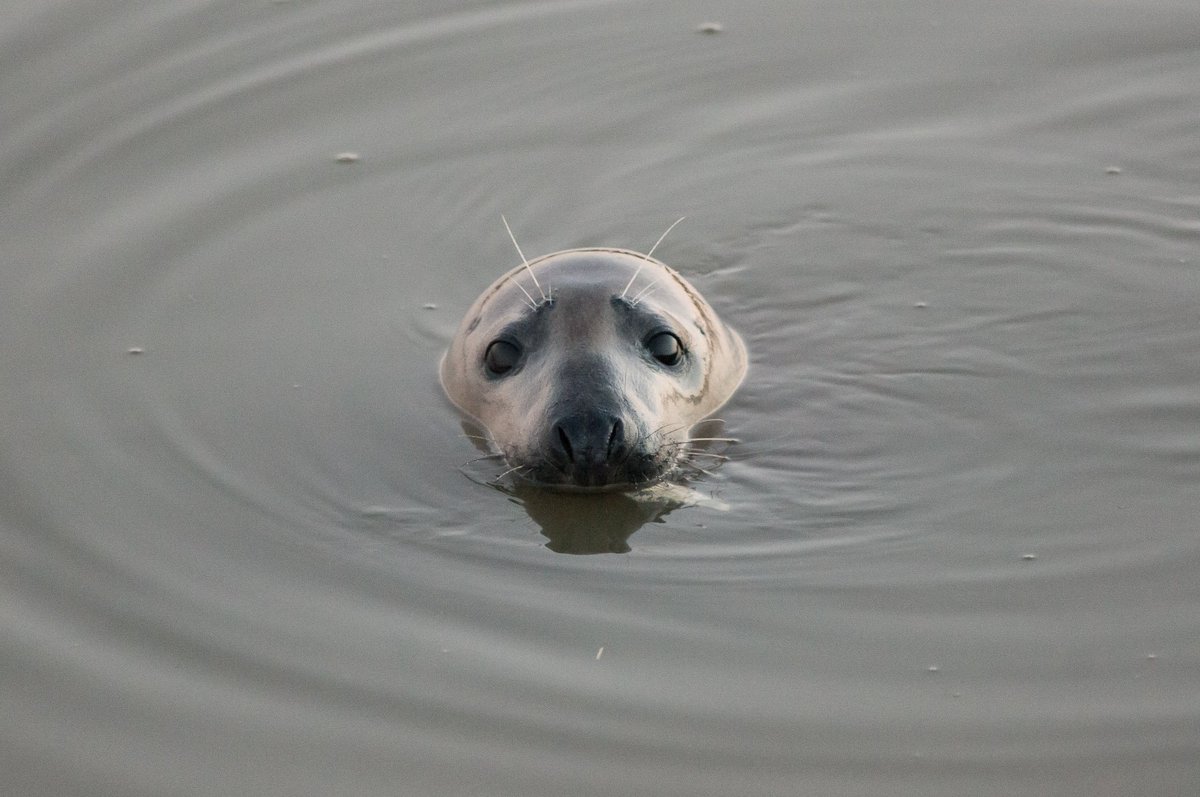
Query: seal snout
[[589, 449]]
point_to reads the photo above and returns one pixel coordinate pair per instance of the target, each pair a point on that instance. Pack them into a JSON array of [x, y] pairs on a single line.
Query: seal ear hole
[[665, 347], [501, 357]]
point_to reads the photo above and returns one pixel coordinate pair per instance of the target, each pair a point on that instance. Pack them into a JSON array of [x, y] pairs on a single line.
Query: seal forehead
[[584, 293], [582, 313], [594, 273], [632, 276]]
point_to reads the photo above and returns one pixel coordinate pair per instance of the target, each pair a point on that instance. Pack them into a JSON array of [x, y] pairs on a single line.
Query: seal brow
[[646, 257], [524, 261]]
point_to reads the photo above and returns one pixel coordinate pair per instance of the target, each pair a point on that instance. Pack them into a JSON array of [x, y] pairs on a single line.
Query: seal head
[[587, 368]]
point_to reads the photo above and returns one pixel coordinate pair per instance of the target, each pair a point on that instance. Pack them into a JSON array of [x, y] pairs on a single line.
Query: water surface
[[244, 546]]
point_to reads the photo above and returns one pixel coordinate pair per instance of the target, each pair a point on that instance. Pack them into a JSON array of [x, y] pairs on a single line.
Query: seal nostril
[[615, 439], [565, 441], [588, 449]]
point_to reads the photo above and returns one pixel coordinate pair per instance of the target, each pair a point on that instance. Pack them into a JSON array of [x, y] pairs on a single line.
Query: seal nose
[[589, 448]]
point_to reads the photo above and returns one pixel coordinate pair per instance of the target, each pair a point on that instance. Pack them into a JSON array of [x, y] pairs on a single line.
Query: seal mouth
[[674, 462], [628, 474], [562, 487], [567, 468]]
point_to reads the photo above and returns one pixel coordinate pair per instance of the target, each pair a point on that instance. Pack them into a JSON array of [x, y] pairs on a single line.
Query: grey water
[[244, 543]]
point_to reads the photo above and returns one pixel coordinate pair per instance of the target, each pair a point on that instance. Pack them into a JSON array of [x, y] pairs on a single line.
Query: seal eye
[[501, 357], [665, 348]]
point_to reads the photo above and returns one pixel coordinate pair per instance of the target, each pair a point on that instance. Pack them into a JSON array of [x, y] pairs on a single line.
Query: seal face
[[589, 367]]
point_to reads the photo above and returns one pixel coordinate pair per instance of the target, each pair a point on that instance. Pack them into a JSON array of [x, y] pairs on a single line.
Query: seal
[[588, 368]]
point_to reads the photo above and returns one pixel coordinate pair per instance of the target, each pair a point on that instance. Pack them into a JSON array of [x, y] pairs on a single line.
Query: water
[[244, 549]]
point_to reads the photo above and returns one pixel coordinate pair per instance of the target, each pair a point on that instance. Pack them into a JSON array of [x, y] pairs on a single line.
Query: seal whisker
[[483, 457], [524, 262], [532, 303], [702, 450], [646, 257], [667, 428], [711, 455], [513, 469], [666, 232], [644, 293], [631, 279], [712, 440]]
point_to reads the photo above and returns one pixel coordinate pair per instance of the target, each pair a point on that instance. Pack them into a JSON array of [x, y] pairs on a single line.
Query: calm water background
[[961, 239]]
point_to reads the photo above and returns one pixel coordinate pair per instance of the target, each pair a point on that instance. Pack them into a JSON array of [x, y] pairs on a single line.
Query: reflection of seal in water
[[588, 368]]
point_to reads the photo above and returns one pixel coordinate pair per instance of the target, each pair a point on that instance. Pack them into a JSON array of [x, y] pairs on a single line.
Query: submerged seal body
[[589, 367]]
